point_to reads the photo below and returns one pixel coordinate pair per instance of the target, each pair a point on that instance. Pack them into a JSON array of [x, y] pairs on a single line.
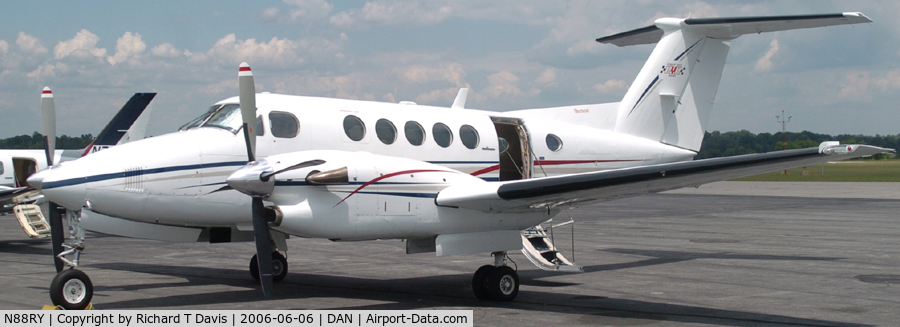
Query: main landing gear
[[71, 289], [279, 267], [496, 282]]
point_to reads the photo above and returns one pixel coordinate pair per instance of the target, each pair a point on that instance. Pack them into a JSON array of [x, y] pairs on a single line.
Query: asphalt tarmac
[[730, 254]]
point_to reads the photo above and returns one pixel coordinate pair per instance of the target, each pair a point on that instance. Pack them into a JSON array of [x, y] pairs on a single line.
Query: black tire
[[479, 282], [254, 268], [503, 284], [279, 267], [71, 289]]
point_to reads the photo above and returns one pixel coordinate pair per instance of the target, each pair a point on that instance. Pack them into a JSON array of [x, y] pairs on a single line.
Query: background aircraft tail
[[130, 123], [671, 98]]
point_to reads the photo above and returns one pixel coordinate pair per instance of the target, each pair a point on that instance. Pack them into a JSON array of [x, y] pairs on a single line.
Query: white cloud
[[4, 47], [450, 72], [610, 86], [548, 76], [48, 70], [30, 44], [303, 11], [394, 12], [82, 46], [277, 51], [502, 84], [764, 64], [309, 8], [128, 46], [861, 85], [165, 50]]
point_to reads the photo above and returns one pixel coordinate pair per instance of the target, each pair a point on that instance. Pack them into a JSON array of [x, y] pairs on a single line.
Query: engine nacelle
[[357, 195]]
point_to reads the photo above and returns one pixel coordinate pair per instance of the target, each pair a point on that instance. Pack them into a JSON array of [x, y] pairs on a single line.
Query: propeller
[[247, 96], [48, 124], [48, 127]]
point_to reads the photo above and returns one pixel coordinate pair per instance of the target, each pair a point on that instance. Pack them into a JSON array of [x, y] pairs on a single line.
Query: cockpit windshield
[[226, 116]]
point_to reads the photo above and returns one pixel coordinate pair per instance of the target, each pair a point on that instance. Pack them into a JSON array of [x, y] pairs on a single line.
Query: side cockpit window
[[284, 124]]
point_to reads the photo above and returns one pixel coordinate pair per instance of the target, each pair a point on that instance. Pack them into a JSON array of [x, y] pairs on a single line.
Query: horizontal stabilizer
[[731, 27]]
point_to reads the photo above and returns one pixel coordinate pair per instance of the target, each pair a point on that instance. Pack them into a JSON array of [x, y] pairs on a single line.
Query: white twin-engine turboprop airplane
[[446, 180]]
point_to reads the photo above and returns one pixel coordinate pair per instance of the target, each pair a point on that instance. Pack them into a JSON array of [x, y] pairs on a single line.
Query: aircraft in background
[[129, 124], [450, 181]]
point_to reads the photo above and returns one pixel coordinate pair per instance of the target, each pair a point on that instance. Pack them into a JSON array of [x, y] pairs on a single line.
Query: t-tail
[[672, 96], [129, 124]]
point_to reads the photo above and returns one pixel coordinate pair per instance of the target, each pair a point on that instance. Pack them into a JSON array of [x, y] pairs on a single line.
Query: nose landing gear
[[496, 282], [71, 289]]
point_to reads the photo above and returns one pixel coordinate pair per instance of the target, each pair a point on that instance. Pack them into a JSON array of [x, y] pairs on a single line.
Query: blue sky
[[512, 54]]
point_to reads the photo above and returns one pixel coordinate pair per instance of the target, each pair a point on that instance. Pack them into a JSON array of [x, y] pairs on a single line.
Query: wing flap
[[551, 192]]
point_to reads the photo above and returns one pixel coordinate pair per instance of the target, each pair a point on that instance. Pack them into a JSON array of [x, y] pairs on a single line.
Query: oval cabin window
[[442, 135], [554, 143], [415, 134], [354, 128], [385, 131], [469, 136]]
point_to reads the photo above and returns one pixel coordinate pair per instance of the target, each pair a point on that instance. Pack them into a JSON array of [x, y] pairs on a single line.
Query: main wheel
[[503, 284], [479, 282], [279, 267], [71, 289]]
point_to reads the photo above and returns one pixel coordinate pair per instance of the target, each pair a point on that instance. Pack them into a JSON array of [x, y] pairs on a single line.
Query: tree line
[[715, 144], [36, 141]]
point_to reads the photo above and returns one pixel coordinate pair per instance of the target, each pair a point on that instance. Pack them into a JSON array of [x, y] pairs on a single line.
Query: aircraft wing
[[8, 193], [559, 191], [730, 27]]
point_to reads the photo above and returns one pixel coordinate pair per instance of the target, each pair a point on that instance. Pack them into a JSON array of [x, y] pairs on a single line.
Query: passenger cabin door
[[23, 168], [515, 148]]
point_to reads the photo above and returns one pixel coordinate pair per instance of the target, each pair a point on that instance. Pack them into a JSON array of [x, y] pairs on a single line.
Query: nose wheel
[[496, 282], [71, 289], [279, 267]]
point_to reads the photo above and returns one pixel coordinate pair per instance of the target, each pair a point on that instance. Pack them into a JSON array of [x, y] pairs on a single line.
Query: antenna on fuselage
[[460, 101]]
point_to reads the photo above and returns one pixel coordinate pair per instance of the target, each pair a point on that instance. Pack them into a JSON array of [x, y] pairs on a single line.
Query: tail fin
[[123, 122], [671, 98]]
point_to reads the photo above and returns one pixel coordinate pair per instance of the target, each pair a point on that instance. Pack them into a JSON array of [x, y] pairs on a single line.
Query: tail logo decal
[[673, 70]]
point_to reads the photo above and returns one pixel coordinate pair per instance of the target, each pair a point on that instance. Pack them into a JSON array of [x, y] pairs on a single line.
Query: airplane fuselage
[[172, 179]]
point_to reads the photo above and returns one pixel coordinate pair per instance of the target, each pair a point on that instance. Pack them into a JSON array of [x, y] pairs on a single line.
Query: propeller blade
[[223, 188], [263, 246], [56, 234], [48, 124], [247, 94], [265, 176]]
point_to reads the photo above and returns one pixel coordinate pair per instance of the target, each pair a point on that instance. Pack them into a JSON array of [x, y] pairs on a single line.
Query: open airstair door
[[32, 220], [538, 247], [515, 149]]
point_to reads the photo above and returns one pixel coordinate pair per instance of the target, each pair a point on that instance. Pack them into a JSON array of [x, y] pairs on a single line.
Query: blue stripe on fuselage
[[103, 177]]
